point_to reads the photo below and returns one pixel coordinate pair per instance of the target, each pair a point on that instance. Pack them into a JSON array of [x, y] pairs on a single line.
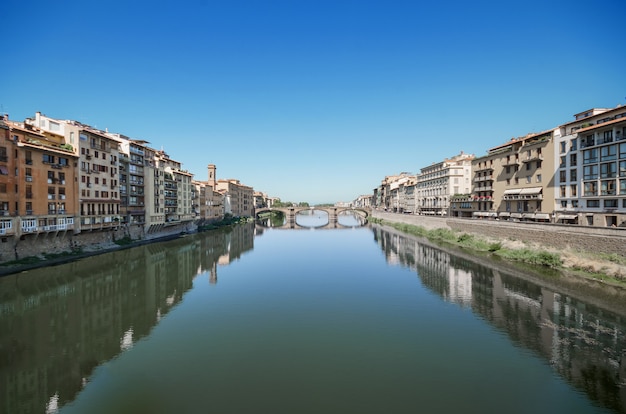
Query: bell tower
[[212, 181]]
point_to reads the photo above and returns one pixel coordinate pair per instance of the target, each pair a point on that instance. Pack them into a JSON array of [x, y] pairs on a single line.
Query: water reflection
[[584, 343], [58, 324]]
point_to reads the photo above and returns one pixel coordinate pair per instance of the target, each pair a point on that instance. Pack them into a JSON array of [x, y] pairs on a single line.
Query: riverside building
[[37, 182], [98, 175], [514, 180], [437, 183], [591, 174]]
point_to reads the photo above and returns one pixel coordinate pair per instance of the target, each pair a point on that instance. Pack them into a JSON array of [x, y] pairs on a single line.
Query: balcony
[[532, 158], [510, 163]]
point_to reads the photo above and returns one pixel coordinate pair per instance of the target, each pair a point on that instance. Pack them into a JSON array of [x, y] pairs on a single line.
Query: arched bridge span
[[291, 212]]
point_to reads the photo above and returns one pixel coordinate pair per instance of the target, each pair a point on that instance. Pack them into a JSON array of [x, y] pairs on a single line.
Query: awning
[[504, 214], [512, 191], [533, 190], [480, 213], [527, 215], [516, 215], [542, 216], [567, 217]]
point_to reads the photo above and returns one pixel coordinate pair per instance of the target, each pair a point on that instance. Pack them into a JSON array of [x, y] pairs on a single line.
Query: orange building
[[40, 181]]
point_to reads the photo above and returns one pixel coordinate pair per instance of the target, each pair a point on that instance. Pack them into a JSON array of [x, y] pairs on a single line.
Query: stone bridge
[[291, 212]]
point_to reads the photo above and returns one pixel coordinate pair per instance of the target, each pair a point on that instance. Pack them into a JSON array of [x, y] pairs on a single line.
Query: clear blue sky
[[313, 100]]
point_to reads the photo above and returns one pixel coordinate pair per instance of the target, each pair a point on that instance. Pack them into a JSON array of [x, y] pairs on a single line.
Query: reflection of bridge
[[290, 214]]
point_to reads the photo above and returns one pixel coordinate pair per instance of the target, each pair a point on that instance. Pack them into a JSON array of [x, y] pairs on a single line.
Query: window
[[573, 189], [573, 160], [539, 164], [622, 150], [48, 159], [591, 189], [562, 191], [590, 156], [573, 175], [562, 163], [529, 179], [608, 136], [588, 141], [607, 187], [538, 178], [612, 203], [573, 146], [608, 153], [590, 172], [562, 176], [575, 203], [563, 147], [593, 203], [608, 170]]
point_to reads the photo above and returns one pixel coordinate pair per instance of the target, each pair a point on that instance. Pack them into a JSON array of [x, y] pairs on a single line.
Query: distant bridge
[[291, 212]]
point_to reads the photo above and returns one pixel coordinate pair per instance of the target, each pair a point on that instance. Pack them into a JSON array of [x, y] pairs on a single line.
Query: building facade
[[590, 180], [437, 183], [38, 178]]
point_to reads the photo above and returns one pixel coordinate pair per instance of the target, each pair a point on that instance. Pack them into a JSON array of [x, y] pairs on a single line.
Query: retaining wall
[[38, 244], [561, 236]]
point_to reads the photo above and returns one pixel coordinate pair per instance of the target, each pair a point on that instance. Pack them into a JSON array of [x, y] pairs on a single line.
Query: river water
[[350, 320]]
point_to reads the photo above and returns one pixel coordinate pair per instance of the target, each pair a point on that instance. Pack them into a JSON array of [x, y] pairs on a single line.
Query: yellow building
[[515, 180], [238, 198]]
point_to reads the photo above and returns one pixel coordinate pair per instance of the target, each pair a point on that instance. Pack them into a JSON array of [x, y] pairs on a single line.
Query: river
[[349, 320]]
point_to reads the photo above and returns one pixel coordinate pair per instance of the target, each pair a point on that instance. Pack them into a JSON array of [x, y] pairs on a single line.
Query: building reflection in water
[[583, 342], [58, 324]]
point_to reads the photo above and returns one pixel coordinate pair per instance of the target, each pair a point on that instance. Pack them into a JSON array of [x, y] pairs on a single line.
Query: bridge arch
[[291, 212]]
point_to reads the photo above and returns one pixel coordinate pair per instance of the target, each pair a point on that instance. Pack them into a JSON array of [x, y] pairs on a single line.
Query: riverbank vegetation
[[609, 268], [228, 220]]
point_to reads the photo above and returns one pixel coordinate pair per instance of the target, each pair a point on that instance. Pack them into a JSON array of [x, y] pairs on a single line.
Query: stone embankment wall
[[560, 236], [32, 245]]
